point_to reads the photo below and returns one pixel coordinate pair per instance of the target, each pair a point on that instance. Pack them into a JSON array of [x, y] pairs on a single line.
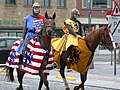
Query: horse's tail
[[9, 74]]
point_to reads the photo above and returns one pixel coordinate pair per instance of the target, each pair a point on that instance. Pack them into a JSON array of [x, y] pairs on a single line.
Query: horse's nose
[[111, 48]]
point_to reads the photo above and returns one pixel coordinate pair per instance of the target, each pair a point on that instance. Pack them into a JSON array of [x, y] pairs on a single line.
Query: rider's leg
[[23, 51], [42, 68], [20, 61], [69, 58], [25, 45]]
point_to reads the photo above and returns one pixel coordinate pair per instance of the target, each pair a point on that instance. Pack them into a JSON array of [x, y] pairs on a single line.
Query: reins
[[104, 39], [47, 49]]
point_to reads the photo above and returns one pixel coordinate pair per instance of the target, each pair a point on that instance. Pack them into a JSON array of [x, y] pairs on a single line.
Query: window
[[2, 43], [28, 2], [97, 4], [10, 42], [61, 3], [3, 34], [45, 3], [10, 2], [12, 34], [102, 3], [84, 3]]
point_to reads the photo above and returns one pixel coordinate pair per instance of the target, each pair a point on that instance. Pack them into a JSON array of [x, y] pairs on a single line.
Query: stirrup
[[54, 65], [20, 67]]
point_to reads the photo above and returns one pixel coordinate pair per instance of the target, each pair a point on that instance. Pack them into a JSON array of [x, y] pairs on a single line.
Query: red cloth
[[41, 17]]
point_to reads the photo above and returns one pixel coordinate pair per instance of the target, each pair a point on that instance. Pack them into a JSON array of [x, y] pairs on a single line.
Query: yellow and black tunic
[[85, 54], [57, 43]]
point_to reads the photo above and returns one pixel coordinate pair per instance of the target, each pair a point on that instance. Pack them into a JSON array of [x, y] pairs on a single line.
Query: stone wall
[[14, 14]]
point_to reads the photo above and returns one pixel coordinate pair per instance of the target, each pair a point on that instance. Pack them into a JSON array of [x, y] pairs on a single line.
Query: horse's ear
[[46, 15], [106, 27], [54, 15]]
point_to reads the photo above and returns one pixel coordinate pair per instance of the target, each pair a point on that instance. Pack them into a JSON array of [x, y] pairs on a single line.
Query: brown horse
[[91, 41], [45, 39]]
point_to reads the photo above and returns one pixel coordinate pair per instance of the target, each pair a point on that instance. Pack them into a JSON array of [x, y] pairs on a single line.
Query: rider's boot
[[20, 62]]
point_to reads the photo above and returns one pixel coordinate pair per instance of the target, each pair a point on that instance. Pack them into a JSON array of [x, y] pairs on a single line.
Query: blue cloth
[[33, 24]]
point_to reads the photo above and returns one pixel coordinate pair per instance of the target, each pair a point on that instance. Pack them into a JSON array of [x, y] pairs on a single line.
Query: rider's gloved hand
[[78, 36], [37, 31]]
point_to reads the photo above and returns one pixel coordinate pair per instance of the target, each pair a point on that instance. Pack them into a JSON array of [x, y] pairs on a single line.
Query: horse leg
[[20, 75], [44, 79], [83, 79], [40, 84], [42, 68], [63, 61], [9, 74]]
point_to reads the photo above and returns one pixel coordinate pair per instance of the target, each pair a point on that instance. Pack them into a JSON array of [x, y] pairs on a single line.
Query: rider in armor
[[33, 24], [73, 31], [73, 27], [31, 27], [77, 24]]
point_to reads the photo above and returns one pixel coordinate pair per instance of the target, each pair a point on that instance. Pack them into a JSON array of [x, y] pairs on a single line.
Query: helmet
[[75, 11], [36, 5]]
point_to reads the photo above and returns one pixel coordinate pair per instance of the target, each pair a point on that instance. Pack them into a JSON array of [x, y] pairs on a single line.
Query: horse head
[[49, 24], [107, 39]]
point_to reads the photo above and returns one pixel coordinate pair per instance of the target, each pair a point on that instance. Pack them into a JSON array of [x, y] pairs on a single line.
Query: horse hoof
[[47, 88], [67, 88], [76, 88], [18, 88]]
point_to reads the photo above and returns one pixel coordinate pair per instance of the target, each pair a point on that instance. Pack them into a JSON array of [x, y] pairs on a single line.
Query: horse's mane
[[91, 36]]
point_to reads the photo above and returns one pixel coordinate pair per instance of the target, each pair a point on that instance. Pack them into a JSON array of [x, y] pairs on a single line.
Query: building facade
[[12, 13], [94, 12]]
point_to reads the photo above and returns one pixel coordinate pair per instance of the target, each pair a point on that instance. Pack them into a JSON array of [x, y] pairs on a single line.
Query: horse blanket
[[32, 58], [13, 59], [82, 57]]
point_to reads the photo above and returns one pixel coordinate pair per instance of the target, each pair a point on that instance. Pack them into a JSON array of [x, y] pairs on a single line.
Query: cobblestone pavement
[[31, 82], [100, 78]]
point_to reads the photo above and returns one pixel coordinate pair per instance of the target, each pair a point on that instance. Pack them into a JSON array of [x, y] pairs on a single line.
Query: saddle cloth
[[13, 59], [82, 59], [33, 58]]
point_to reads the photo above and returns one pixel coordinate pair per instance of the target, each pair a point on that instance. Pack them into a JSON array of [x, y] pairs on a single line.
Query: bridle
[[49, 27], [104, 40]]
